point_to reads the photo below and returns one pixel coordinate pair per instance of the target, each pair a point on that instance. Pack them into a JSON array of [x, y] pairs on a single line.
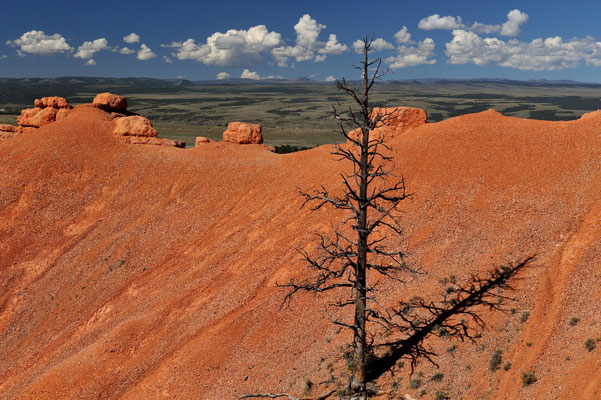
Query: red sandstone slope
[[148, 272]]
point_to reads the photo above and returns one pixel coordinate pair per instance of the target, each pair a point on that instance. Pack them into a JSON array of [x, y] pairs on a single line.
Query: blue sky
[[289, 39]]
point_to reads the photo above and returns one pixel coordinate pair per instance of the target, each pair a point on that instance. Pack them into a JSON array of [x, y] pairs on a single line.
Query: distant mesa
[[243, 133], [110, 102], [394, 121]]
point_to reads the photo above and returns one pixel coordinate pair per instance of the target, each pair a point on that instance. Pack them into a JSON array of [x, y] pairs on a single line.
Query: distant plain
[[296, 113]]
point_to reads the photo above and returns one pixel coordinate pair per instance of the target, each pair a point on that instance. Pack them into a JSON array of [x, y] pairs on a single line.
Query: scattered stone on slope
[[153, 140], [8, 128], [110, 102], [202, 140], [243, 133], [395, 121]]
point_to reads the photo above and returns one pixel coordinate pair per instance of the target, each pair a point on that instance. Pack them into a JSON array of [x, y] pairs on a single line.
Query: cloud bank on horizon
[[475, 43]]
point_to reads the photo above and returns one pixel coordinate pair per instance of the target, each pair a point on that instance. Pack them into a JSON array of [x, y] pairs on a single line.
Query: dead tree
[[371, 196], [345, 261]]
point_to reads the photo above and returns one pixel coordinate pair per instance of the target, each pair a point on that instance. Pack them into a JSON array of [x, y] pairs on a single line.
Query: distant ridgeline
[[293, 113]]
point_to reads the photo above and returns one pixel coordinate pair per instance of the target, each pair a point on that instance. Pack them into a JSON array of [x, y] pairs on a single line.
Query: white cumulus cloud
[[131, 38], [91, 62], [223, 75], [126, 50], [550, 54], [378, 44], [145, 53], [229, 49], [330, 79], [515, 18], [437, 22], [167, 60], [403, 36], [246, 74], [412, 55], [306, 46], [37, 42], [511, 27], [88, 49]]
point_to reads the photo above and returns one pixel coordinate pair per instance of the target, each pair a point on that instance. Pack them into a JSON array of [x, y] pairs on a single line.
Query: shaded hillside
[[135, 271]]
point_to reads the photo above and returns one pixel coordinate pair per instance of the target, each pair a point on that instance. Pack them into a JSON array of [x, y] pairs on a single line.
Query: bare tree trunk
[[360, 336]]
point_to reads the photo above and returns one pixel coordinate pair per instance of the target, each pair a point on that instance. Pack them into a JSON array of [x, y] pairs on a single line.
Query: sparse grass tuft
[[590, 344], [528, 378], [573, 321], [495, 360], [307, 385]]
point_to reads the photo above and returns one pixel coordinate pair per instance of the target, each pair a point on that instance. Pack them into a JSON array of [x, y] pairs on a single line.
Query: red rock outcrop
[[139, 130], [53, 102], [7, 135], [37, 117], [395, 121], [8, 128], [110, 102], [134, 126], [243, 133], [62, 114]]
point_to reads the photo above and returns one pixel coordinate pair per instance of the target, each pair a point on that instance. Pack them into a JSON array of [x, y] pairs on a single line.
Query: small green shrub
[[507, 366], [442, 332], [574, 321], [529, 344], [524, 317], [442, 395], [528, 378], [590, 344], [495, 360], [437, 377], [415, 382]]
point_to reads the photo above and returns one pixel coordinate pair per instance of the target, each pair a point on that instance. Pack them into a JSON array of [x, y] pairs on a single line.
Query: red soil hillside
[[147, 272]]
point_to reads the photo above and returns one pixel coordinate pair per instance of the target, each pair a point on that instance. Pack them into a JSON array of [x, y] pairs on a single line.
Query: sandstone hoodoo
[[53, 102], [46, 111], [395, 121], [110, 102], [139, 130], [243, 133], [134, 126], [37, 117]]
